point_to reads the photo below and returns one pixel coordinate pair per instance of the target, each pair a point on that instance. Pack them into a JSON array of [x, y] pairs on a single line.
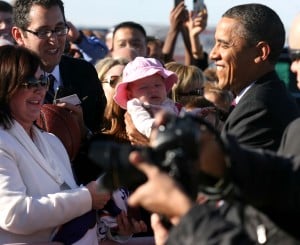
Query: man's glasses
[[33, 82], [112, 80], [43, 34], [294, 54]]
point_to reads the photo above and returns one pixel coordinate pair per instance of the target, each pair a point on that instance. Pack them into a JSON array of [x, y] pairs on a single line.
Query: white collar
[[56, 74], [242, 93]]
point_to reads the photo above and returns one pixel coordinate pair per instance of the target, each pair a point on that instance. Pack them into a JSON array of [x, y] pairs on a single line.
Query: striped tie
[[50, 93]]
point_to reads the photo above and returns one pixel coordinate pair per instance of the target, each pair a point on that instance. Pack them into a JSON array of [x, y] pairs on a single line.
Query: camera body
[[175, 150]]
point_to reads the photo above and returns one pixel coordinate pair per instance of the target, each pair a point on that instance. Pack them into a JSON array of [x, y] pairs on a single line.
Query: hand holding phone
[[176, 2], [198, 5]]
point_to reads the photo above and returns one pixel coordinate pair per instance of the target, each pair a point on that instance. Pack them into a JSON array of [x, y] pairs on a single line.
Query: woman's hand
[[99, 199], [160, 232], [128, 226]]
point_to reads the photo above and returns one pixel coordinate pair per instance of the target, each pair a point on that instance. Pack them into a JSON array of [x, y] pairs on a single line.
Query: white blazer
[[32, 204]]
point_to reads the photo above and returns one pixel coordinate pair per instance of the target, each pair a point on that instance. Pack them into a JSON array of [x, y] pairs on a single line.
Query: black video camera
[[175, 150]]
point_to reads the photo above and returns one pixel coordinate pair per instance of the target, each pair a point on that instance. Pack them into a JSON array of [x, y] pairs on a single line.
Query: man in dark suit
[[40, 26], [247, 47]]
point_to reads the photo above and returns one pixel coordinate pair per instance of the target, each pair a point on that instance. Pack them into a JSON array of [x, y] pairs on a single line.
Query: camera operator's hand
[[99, 199], [160, 232], [160, 194], [135, 137], [212, 157]]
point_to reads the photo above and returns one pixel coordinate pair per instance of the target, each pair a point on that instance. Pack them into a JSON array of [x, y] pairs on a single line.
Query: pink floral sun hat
[[140, 68]]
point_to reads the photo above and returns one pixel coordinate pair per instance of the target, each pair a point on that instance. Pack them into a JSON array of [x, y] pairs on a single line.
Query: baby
[[143, 91]]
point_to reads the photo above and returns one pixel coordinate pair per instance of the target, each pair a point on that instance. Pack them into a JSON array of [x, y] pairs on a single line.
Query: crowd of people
[[241, 157]]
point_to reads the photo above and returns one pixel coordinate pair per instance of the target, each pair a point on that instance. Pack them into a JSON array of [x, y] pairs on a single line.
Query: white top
[[31, 175], [142, 114]]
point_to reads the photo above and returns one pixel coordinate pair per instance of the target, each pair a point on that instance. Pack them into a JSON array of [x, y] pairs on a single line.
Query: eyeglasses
[[112, 80], [33, 82], [43, 34], [294, 54], [195, 92]]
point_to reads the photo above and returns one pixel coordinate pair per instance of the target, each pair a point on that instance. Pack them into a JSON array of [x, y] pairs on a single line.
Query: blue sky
[[106, 13], [98, 13]]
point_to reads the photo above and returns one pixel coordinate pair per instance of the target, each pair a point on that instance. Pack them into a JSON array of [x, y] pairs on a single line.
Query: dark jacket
[[80, 77], [264, 203], [262, 114]]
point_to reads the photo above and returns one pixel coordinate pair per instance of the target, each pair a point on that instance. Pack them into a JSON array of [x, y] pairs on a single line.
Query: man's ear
[[18, 35], [263, 51]]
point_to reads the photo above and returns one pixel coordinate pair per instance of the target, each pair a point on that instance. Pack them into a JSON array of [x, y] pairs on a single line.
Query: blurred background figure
[[85, 45], [129, 40], [110, 74], [294, 47], [154, 48], [5, 23], [190, 25]]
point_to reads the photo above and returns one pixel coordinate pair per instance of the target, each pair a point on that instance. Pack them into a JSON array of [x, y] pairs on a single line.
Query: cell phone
[[198, 5], [176, 2], [72, 99]]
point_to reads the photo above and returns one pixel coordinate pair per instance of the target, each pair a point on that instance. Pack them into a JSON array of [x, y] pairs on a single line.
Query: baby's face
[[150, 89]]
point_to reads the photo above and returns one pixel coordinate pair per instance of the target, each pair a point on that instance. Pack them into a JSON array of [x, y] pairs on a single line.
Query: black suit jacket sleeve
[[268, 181], [262, 114], [290, 144], [80, 77], [206, 225]]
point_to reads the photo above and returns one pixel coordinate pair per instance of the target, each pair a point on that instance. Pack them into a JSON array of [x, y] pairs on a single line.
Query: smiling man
[[248, 41], [40, 26]]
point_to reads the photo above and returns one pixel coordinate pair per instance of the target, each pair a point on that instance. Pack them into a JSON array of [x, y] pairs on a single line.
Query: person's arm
[[195, 54], [177, 16], [135, 137], [92, 48]]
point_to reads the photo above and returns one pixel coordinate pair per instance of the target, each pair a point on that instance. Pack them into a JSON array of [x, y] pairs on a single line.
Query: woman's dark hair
[[16, 65]]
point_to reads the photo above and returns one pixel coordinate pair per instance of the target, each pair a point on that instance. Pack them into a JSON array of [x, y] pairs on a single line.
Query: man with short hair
[[40, 25], [248, 42], [129, 40]]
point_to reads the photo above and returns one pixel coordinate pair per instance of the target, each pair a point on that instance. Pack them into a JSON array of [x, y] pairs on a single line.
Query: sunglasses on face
[[294, 54], [33, 82], [112, 80]]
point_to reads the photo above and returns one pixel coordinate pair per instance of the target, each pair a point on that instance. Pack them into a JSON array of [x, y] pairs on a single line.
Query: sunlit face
[[25, 104], [114, 76], [151, 89], [234, 60], [50, 49], [295, 68], [130, 38]]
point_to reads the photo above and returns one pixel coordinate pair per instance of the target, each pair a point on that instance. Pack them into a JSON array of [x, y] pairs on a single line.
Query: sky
[[107, 13]]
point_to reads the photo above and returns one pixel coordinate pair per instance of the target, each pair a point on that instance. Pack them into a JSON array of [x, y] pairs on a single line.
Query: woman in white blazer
[[39, 199]]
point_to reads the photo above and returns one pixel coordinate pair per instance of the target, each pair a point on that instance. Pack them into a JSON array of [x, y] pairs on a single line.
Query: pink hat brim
[[120, 96]]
